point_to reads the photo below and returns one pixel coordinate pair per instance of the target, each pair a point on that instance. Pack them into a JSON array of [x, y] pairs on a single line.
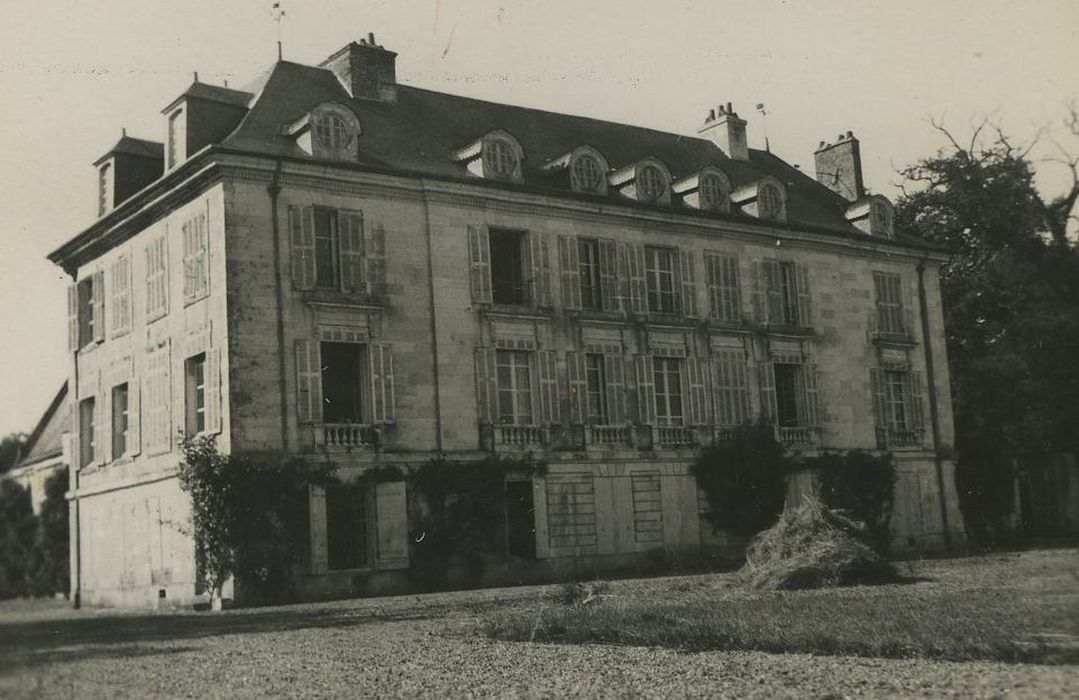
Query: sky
[[72, 74]]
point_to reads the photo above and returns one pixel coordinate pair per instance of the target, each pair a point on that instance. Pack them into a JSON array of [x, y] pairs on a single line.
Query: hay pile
[[812, 546]]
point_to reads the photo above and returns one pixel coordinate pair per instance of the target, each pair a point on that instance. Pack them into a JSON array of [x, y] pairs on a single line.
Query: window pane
[[119, 420], [514, 387], [788, 389], [342, 377], [508, 284], [326, 248], [668, 383], [588, 254]]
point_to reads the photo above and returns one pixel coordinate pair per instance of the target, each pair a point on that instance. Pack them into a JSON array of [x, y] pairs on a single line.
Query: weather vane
[[278, 15]]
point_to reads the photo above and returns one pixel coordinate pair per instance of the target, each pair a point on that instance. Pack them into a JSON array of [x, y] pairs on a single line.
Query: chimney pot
[[371, 38], [850, 134], [839, 167], [711, 115], [727, 131], [366, 70]]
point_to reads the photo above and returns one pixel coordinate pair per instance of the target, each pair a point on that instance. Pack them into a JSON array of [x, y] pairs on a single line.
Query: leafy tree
[[11, 450], [18, 527], [1011, 304], [52, 573]]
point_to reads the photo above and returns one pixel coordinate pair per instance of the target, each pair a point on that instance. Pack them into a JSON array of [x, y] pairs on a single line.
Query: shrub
[[744, 479], [18, 528], [52, 574], [863, 485]]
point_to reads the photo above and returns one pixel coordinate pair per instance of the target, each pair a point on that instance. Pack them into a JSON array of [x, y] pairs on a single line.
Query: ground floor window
[[521, 519], [346, 527]]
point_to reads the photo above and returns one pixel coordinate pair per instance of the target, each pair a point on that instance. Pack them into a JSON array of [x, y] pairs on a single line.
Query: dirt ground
[[431, 646]]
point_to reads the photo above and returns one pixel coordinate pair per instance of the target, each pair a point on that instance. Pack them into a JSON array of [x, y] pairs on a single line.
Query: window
[[890, 315], [508, 284], [342, 382], [119, 420], [731, 386], [595, 389], [176, 138], [659, 274], [786, 292], [347, 545], [723, 282], [651, 183], [514, 387], [880, 219], [87, 311], [499, 157], [104, 190], [769, 202], [195, 394], [895, 397], [668, 381], [333, 132], [713, 193], [588, 257], [585, 173], [86, 431], [788, 394], [120, 299], [157, 404], [327, 264], [898, 404], [196, 259], [157, 286], [521, 519]]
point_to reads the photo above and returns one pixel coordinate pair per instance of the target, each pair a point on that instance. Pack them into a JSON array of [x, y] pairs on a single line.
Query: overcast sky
[[73, 73]]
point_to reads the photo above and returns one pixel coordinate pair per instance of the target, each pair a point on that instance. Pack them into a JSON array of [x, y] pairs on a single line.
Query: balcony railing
[[514, 436], [894, 437], [609, 435], [676, 436], [797, 437], [346, 435]]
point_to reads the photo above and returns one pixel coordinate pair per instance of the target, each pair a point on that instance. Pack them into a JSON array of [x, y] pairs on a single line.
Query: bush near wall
[[34, 548], [861, 483]]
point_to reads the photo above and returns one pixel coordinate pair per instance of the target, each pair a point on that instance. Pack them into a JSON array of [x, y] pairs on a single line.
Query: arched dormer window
[[647, 180], [880, 219], [873, 214], [707, 190], [584, 169], [765, 199], [330, 131], [769, 201], [495, 156]]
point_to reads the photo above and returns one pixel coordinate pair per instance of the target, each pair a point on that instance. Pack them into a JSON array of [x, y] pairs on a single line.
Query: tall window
[[659, 274], [514, 387], [342, 382], [327, 265], [508, 283], [668, 381], [196, 259], [595, 389], [195, 394], [120, 295], [176, 138], [104, 189], [789, 386], [890, 316], [500, 158], [157, 286], [896, 399], [588, 256], [769, 202], [346, 527], [651, 183], [87, 304], [87, 447], [585, 173], [119, 420], [723, 292]]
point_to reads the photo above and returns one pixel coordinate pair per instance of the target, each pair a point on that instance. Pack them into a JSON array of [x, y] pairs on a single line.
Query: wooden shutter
[[189, 231], [917, 401], [320, 555], [700, 405], [813, 415], [350, 242], [548, 385], [302, 246], [688, 282], [773, 292], [486, 385], [391, 522], [880, 404], [102, 421], [638, 286], [801, 277], [757, 294], [608, 274], [646, 389], [134, 417], [73, 317], [383, 399], [479, 258], [213, 390], [578, 388], [374, 259], [614, 370], [308, 381], [767, 378], [731, 387], [98, 283], [723, 287], [540, 259], [569, 266]]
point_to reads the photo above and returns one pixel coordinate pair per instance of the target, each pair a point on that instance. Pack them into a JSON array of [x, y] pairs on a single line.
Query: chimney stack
[[724, 127], [839, 167], [366, 70]]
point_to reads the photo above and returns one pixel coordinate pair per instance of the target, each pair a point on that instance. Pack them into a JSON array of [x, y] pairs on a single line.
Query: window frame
[[364, 498], [361, 390], [521, 398], [651, 189], [522, 294], [715, 198], [770, 194], [195, 394], [120, 437], [589, 271], [497, 153], [796, 374], [87, 431], [666, 299], [589, 181], [665, 371], [595, 369], [328, 216]]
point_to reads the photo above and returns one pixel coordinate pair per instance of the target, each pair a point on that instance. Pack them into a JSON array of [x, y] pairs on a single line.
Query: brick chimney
[[366, 70], [839, 167], [724, 127]]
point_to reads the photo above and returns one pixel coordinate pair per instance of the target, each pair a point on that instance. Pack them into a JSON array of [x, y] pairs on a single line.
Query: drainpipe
[[934, 411], [76, 595], [275, 189], [434, 319]]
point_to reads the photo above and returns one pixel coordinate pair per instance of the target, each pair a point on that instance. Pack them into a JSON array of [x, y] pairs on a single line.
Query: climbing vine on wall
[[863, 484]]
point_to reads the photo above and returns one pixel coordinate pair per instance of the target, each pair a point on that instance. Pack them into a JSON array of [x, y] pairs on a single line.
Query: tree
[[18, 527], [11, 450], [1011, 303]]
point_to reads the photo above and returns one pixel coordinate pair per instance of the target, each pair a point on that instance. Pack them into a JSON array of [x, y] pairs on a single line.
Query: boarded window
[[647, 509], [571, 510]]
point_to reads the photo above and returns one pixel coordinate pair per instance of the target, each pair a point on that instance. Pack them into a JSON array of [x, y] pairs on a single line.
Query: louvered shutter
[[548, 385], [608, 275], [757, 295], [880, 404], [102, 422], [917, 401], [801, 276], [308, 382], [213, 391], [350, 240], [319, 545], [688, 282], [646, 389], [813, 415], [614, 370], [391, 518], [73, 317], [98, 283], [302, 246], [638, 286], [374, 259], [540, 259], [188, 236], [479, 258], [700, 407], [134, 417], [578, 388], [383, 400], [486, 385], [773, 292], [767, 378], [731, 387], [570, 272]]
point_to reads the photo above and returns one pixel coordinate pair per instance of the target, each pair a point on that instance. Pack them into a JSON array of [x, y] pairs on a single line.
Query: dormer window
[[880, 219], [586, 173], [707, 190], [329, 132], [651, 183], [495, 156], [648, 180], [714, 193], [584, 169], [872, 214], [499, 157], [104, 189], [177, 145], [765, 199], [769, 201], [333, 132]]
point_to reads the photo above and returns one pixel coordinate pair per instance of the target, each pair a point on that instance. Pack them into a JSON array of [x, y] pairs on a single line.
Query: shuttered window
[[668, 390], [514, 377], [731, 387], [120, 296], [659, 268], [723, 287], [196, 258], [157, 431], [889, 293], [87, 430], [157, 292], [781, 294], [335, 249], [898, 401]]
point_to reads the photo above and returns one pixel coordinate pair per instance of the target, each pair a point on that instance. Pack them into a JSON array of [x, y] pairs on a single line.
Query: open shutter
[[391, 518], [213, 391], [188, 234], [801, 277], [301, 226], [99, 306], [578, 388], [541, 269], [479, 259], [374, 259], [917, 401], [767, 378], [548, 384], [880, 405], [308, 382], [382, 385], [646, 390], [773, 292], [638, 287], [700, 407], [350, 240], [319, 545], [688, 280], [570, 271], [614, 370], [102, 421], [757, 294], [486, 385], [134, 417], [73, 317], [608, 275], [812, 396]]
